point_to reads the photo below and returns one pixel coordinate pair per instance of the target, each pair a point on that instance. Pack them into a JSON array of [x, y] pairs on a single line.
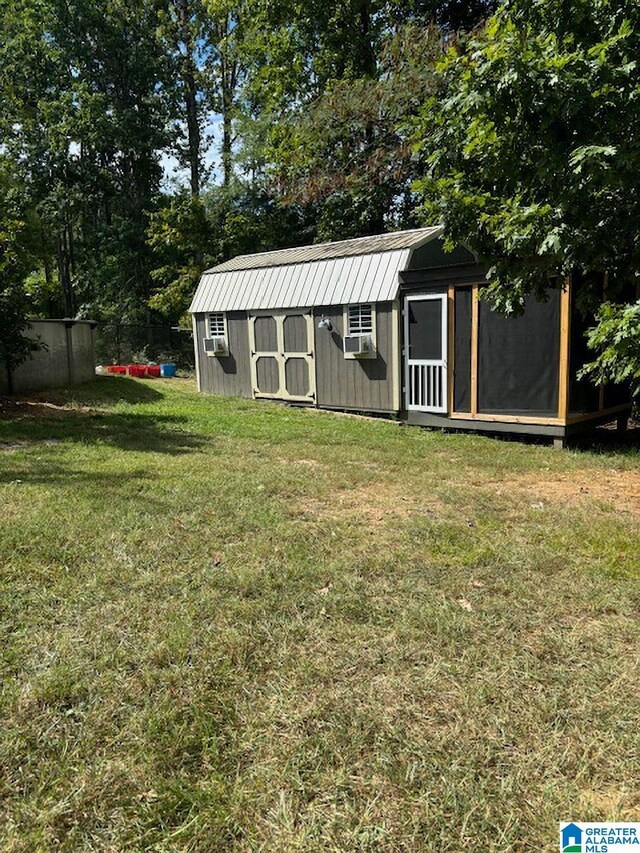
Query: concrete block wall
[[69, 357]]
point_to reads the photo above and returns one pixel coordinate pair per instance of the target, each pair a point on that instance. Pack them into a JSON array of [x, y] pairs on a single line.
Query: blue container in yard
[[167, 370]]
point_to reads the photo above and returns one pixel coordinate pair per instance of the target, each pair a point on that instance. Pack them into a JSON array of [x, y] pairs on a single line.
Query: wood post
[[565, 335], [622, 423]]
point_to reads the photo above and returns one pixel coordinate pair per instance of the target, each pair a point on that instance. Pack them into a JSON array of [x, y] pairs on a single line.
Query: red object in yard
[[137, 370], [117, 368], [153, 370]]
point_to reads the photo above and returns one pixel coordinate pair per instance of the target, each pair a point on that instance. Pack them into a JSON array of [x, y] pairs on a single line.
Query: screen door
[[425, 341]]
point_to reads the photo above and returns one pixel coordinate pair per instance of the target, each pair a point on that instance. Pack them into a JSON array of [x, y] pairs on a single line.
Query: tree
[[225, 68], [84, 95], [182, 239], [616, 341], [333, 87], [17, 226], [186, 33], [532, 141], [349, 152]]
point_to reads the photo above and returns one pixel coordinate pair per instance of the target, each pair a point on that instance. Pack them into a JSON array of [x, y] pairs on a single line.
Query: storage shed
[[393, 325]]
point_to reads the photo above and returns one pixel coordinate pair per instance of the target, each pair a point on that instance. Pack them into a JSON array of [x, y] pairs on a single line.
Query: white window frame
[[217, 334], [209, 332], [346, 325]]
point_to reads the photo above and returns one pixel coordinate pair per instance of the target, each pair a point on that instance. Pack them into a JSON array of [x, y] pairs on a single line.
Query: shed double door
[[425, 348], [281, 344]]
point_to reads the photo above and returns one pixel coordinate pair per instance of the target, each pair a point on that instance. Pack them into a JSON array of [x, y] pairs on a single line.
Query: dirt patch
[[11, 408], [619, 489], [375, 502], [305, 463], [361, 416], [609, 802]]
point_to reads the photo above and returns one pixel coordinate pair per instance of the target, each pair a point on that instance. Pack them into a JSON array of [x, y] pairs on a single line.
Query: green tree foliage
[[189, 234], [181, 237], [616, 340], [84, 108], [19, 230], [533, 145], [349, 151], [331, 89]]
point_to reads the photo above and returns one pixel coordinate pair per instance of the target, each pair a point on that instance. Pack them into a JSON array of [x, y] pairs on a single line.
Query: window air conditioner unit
[[216, 346], [359, 346]]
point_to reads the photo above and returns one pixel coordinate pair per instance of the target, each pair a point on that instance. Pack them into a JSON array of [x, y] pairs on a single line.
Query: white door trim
[[281, 355], [426, 380]]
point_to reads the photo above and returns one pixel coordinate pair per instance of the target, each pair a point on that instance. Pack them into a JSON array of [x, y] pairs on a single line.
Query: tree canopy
[[532, 147]]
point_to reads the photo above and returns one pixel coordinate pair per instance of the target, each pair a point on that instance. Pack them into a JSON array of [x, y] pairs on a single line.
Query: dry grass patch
[[617, 490], [373, 504], [623, 804]]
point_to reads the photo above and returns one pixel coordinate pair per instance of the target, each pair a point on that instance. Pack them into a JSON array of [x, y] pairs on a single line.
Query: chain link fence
[[122, 343]]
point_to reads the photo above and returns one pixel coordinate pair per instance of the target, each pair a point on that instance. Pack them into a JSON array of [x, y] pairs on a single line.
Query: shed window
[[216, 325], [360, 320]]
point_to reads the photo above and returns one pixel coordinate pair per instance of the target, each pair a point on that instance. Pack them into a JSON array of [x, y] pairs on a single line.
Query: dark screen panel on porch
[[518, 359], [462, 351], [425, 329]]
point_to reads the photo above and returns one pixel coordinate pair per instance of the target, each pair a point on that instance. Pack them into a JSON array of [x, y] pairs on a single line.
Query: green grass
[[233, 626]]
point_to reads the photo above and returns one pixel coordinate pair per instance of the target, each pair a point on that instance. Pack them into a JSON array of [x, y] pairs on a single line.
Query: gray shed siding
[[230, 376], [359, 384]]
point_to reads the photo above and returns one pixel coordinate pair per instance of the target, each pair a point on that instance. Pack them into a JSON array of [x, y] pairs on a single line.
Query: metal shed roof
[[360, 270]]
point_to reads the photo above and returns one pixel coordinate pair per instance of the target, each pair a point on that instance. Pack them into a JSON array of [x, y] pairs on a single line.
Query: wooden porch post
[[565, 336]]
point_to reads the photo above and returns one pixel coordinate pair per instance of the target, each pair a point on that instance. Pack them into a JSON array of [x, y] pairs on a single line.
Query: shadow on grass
[[44, 471], [105, 390], [608, 440], [152, 433], [43, 419]]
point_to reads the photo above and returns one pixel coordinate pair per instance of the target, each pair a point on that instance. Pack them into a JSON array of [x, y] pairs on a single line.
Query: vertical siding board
[[226, 376], [365, 385], [295, 333]]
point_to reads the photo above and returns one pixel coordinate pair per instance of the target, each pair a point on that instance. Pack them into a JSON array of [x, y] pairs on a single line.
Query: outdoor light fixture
[[325, 323]]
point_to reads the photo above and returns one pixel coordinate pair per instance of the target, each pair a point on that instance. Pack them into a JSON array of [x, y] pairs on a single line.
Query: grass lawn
[[236, 626]]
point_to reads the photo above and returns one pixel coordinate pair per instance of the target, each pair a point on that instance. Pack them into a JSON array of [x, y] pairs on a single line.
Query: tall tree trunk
[[190, 97], [229, 70], [227, 153], [64, 272], [367, 53], [193, 130], [9, 372], [369, 68]]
